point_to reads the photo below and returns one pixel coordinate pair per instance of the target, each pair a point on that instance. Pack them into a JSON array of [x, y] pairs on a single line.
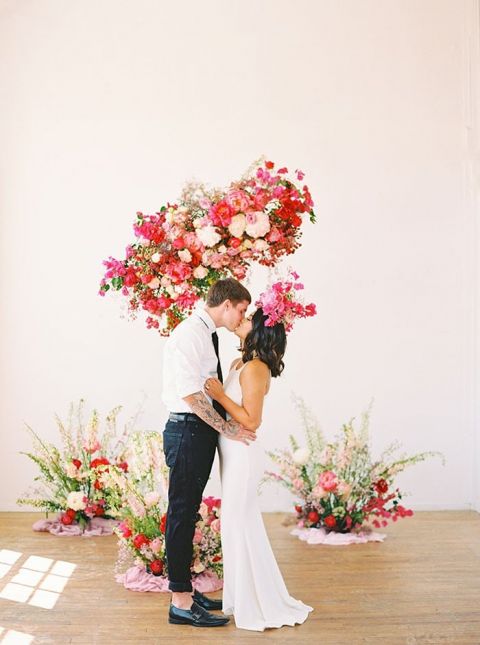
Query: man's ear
[[227, 304]]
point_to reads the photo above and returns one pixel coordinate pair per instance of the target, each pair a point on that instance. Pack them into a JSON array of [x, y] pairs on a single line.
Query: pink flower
[[238, 200], [156, 545], [92, 447], [215, 526], [319, 492], [298, 484], [221, 214], [328, 480], [344, 490], [197, 538]]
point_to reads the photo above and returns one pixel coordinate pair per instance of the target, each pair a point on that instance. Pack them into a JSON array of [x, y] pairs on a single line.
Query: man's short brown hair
[[228, 289]]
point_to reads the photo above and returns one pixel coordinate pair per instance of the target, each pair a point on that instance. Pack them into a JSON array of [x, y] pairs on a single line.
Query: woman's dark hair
[[266, 343]]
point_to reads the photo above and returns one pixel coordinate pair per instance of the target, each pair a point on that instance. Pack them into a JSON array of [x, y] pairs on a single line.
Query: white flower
[[154, 283], [301, 456], [208, 236], [152, 498], [200, 272], [237, 225], [198, 567], [156, 257], [222, 249], [185, 255], [260, 245], [75, 500], [260, 227]]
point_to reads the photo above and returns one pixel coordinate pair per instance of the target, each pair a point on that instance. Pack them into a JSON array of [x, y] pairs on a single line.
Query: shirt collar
[[207, 319]]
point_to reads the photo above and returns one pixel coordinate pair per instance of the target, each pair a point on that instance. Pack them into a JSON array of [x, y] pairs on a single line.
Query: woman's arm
[[253, 380]]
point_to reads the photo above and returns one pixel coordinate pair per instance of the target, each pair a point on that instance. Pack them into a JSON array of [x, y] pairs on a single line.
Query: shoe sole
[[176, 621]]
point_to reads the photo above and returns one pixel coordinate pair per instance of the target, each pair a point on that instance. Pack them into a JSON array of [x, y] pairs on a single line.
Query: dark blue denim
[[189, 448]]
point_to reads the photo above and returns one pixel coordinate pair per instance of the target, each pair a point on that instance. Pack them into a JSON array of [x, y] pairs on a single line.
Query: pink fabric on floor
[[137, 579], [95, 527], [320, 536]]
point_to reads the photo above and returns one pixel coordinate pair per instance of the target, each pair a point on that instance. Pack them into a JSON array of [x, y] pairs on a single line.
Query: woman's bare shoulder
[[256, 369]]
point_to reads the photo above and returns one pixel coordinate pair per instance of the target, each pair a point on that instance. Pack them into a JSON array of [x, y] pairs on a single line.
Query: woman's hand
[[214, 389]]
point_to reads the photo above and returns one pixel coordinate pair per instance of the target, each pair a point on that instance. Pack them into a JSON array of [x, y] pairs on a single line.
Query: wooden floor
[[422, 585]]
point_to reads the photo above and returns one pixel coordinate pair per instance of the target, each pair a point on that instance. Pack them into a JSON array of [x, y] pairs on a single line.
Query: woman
[[254, 590]]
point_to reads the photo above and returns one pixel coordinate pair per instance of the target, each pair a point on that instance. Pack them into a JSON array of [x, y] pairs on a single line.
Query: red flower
[[101, 461], [125, 529], [98, 510], [178, 243], [269, 165], [298, 508], [330, 521], [97, 485], [71, 513], [216, 558], [381, 486], [221, 214], [66, 519], [123, 466], [313, 517], [156, 567], [139, 540], [163, 523], [130, 279], [348, 521], [77, 463]]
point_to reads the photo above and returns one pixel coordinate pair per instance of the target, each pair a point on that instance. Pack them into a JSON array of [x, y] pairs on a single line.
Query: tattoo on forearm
[[202, 408]]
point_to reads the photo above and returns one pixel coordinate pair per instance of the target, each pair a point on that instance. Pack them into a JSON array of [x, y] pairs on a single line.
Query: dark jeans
[[189, 448]]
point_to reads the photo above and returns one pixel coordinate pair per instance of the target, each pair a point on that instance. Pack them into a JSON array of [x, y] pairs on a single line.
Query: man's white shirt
[[189, 359]]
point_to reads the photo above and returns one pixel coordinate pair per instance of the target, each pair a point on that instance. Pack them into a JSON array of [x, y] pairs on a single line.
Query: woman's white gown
[[253, 587]]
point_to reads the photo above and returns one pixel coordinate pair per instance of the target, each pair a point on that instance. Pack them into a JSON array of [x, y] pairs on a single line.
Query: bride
[[254, 589]]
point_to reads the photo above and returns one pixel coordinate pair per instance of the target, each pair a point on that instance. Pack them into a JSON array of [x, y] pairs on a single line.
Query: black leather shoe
[[196, 616], [207, 603]]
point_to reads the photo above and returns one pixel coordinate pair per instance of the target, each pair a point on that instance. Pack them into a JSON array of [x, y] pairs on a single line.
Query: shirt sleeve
[[189, 351]]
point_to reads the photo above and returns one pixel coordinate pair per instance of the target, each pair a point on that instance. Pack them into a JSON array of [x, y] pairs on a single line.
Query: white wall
[[109, 106]]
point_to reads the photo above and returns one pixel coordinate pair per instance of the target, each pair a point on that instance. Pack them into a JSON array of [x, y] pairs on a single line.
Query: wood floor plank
[[421, 586]]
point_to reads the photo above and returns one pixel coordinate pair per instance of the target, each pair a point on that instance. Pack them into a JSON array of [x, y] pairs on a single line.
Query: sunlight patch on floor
[[39, 581]]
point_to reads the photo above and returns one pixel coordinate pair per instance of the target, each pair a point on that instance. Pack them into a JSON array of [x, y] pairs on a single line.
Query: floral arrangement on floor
[[339, 487], [71, 477], [140, 504], [142, 532], [210, 234]]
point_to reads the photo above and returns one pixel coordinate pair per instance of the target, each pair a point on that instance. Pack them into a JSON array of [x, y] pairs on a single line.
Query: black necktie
[[220, 409]]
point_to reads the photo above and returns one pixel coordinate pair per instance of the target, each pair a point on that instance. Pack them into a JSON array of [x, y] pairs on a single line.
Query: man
[[190, 438]]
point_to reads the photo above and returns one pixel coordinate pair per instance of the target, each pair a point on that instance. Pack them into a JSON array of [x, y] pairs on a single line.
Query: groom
[[190, 438]]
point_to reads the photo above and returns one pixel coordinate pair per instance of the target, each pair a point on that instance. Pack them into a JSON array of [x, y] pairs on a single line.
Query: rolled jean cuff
[[180, 586]]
